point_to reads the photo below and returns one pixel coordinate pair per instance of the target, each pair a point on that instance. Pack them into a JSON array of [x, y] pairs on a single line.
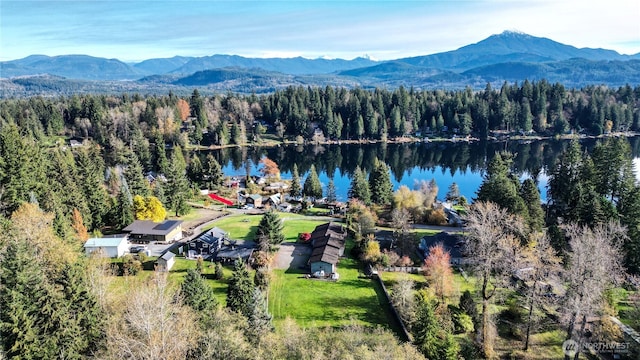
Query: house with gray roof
[[146, 231], [166, 261]]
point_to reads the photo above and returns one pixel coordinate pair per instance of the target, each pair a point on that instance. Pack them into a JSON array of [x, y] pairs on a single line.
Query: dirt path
[[201, 218]]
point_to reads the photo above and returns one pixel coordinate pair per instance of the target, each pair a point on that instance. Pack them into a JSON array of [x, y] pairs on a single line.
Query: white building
[[112, 247], [166, 261]]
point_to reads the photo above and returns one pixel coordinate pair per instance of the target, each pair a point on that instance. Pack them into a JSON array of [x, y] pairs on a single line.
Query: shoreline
[[407, 140]]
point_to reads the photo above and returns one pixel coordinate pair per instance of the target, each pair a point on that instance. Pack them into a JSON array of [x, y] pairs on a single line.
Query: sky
[[136, 30]]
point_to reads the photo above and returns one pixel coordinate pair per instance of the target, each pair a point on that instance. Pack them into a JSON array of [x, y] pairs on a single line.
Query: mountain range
[[509, 56]]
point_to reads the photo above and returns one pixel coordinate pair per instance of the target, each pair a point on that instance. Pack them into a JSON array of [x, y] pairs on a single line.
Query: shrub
[[405, 261], [130, 266], [462, 323], [437, 217], [304, 237], [219, 273], [142, 257]]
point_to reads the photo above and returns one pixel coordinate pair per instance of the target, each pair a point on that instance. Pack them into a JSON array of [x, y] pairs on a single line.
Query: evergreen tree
[[396, 123], [236, 137], [565, 188], [22, 170], [312, 185], [431, 338], [196, 293], [359, 188], [453, 193], [380, 185], [531, 197], [296, 189], [161, 163], [23, 287], [240, 289], [258, 316], [91, 167], [196, 104], [44, 314], [158, 191], [500, 187], [138, 185], [195, 171], [61, 176], [178, 191], [85, 330], [270, 228], [212, 173], [629, 209], [331, 192], [123, 215]]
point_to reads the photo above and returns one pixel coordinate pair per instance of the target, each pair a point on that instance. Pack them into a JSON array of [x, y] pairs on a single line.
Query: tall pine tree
[[312, 185], [380, 183]]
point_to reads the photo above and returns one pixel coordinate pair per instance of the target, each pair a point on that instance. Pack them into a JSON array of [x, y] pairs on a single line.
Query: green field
[[244, 227], [122, 284], [327, 303]]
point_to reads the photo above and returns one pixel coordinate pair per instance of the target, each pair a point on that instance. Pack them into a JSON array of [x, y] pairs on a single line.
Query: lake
[[446, 162]]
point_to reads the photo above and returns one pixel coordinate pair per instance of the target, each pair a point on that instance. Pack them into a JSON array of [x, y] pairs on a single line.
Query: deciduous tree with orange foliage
[[437, 269], [78, 226], [183, 109], [269, 167]]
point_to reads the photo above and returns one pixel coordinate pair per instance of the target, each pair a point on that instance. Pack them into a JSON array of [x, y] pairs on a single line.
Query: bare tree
[[594, 264], [154, 325], [546, 270], [494, 252], [401, 222], [404, 300], [100, 273]]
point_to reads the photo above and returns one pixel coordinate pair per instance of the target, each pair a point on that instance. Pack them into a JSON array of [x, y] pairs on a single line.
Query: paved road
[[440, 228]]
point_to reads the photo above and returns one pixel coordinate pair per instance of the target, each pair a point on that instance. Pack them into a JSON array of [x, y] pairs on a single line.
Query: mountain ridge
[[509, 56]]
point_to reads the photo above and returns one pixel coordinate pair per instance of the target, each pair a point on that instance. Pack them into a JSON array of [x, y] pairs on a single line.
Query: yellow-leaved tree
[[148, 208]]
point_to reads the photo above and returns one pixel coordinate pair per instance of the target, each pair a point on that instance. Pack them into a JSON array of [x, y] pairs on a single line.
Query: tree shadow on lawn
[[340, 308]]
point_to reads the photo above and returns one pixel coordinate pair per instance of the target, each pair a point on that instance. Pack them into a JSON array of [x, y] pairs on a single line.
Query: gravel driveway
[[292, 256]]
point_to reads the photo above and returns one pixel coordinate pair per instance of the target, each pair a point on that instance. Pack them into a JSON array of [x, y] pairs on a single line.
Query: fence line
[[405, 332]]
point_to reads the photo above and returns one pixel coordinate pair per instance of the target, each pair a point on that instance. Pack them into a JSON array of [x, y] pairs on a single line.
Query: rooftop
[[454, 244], [104, 242], [167, 256], [148, 227]]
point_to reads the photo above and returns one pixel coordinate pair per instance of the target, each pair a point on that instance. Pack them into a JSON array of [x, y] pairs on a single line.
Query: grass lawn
[[318, 211], [420, 233], [122, 284], [543, 346], [244, 227], [325, 303]]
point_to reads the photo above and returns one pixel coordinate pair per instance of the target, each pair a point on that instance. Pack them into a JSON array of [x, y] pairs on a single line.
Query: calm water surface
[[446, 162]]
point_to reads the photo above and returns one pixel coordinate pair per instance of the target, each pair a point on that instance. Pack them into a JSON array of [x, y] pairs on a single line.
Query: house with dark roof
[[145, 231], [452, 243], [207, 244], [328, 242]]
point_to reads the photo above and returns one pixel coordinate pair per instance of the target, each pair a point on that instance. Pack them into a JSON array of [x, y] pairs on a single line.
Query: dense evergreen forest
[[54, 191], [130, 135]]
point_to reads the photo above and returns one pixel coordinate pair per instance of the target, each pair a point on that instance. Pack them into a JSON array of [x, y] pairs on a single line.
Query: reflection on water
[[446, 162]]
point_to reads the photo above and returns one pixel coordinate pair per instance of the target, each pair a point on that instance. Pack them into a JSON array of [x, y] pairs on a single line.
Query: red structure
[[221, 199]]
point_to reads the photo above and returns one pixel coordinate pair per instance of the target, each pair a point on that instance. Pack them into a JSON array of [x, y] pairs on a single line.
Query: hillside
[[509, 56]]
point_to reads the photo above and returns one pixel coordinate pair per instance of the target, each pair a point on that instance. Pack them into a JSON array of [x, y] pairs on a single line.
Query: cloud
[[383, 29]]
